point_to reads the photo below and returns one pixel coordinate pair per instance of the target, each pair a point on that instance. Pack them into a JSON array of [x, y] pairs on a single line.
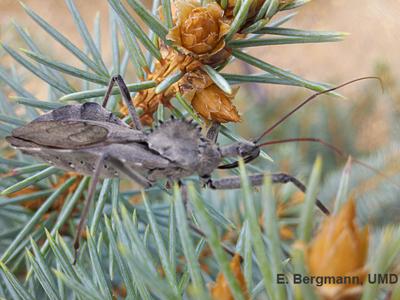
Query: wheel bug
[[88, 139]]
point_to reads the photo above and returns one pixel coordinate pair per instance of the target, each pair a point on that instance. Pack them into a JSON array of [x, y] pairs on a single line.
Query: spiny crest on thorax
[[178, 141]]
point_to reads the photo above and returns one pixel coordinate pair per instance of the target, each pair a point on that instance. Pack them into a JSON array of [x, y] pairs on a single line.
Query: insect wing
[[62, 134], [75, 134], [89, 111]]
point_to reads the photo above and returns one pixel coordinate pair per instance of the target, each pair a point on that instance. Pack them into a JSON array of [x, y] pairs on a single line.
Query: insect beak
[[249, 152]]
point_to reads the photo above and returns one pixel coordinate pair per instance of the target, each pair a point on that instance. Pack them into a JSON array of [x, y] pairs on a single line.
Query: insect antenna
[[332, 148], [298, 107], [281, 120]]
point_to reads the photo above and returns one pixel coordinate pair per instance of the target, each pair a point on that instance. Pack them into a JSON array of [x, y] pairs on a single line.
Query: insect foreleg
[[185, 197], [88, 202], [213, 131], [257, 180], [126, 96]]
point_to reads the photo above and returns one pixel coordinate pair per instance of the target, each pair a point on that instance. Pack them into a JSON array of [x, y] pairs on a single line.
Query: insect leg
[[213, 131], [185, 195], [193, 227], [88, 202], [132, 174], [257, 180], [135, 176], [126, 96], [108, 92], [200, 233]]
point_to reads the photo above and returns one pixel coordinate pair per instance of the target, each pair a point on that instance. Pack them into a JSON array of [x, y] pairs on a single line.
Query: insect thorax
[[181, 142]]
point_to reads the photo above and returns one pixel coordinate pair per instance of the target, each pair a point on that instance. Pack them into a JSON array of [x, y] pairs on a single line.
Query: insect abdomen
[[69, 160]]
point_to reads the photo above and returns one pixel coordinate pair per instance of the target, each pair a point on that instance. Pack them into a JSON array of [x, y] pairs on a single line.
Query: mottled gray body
[[74, 137], [88, 139]]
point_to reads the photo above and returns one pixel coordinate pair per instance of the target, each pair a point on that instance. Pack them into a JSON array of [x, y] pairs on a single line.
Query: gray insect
[[88, 139]]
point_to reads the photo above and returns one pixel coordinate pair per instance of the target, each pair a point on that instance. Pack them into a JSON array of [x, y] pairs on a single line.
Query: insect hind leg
[[126, 96], [85, 212], [229, 183]]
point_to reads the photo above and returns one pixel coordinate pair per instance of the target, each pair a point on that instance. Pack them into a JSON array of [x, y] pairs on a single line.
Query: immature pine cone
[[199, 31]]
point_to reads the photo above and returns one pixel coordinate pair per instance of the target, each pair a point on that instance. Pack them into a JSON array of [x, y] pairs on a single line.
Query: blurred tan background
[[374, 38], [374, 27]]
